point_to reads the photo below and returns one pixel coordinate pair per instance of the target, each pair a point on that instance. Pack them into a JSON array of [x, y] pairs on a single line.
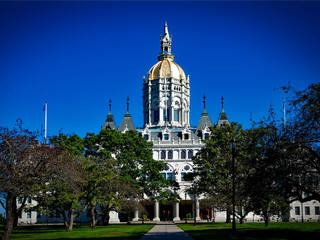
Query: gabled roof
[[126, 123]]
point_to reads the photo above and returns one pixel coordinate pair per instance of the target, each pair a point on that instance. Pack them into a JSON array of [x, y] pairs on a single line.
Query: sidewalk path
[[167, 231]]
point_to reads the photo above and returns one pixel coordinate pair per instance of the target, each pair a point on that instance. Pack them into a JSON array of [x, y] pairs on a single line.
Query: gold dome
[[166, 68]]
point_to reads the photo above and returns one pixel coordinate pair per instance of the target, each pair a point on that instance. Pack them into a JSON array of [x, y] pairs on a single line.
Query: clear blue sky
[[77, 55]]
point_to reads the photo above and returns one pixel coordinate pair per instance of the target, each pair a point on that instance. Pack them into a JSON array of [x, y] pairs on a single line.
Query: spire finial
[[222, 102], [204, 102], [128, 104], [165, 44], [110, 102]]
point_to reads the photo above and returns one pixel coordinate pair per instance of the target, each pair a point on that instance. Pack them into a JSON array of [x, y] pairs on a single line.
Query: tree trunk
[[15, 212], [9, 217], [93, 217], [71, 222], [106, 217], [65, 220], [241, 218], [266, 219], [228, 216], [301, 211]]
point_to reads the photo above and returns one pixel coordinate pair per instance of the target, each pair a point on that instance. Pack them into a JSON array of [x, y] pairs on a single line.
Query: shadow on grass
[[252, 234]]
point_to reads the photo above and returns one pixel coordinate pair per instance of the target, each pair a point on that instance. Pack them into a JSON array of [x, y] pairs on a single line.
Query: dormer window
[[206, 136], [146, 137], [166, 136], [186, 136]]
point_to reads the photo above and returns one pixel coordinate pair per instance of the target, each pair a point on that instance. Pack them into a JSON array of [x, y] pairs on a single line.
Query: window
[[164, 114], [19, 200], [176, 115], [307, 210], [146, 136], [156, 116], [206, 136], [163, 154], [190, 154], [186, 136], [183, 154], [317, 210], [170, 176], [166, 136], [29, 200], [297, 210], [186, 167], [29, 214], [170, 154], [183, 174]]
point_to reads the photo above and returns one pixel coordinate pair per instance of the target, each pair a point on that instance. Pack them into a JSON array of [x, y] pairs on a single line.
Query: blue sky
[[77, 55]]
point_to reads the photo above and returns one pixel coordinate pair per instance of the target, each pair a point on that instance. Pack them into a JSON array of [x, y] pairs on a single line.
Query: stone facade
[[166, 109]]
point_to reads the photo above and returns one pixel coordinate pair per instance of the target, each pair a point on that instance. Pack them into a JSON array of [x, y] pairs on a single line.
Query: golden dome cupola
[[166, 91], [166, 67]]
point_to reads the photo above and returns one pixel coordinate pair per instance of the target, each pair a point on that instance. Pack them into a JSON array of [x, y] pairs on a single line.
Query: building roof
[[127, 123], [205, 121], [109, 123]]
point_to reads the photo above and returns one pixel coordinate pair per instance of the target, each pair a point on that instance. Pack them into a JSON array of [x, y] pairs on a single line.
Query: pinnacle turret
[[127, 123], [109, 123], [223, 119], [205, 121]]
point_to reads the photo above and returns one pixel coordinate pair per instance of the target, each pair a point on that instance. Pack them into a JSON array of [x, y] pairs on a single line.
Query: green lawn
[[115, 231], [252, 231]]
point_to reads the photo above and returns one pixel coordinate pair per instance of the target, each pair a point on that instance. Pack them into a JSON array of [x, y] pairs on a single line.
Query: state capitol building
[[166, 116]]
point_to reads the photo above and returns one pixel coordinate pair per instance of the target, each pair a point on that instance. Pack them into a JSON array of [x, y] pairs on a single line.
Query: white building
[[166, 109]]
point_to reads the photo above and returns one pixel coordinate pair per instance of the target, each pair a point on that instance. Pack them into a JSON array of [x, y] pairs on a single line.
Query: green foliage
[[213, 175]]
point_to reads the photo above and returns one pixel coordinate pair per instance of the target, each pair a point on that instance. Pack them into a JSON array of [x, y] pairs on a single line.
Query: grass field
[[253, 231], [117, 231]]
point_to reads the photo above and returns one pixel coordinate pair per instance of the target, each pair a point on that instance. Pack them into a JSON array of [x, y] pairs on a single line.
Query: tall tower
[[166, 90]]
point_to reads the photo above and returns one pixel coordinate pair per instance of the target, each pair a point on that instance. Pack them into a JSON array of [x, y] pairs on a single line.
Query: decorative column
[[136, 215], [176, 211], [156, 211], [197, 209]]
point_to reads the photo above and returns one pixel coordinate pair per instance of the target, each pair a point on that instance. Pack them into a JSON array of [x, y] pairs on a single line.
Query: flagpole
[[45, 122], [284, 113]]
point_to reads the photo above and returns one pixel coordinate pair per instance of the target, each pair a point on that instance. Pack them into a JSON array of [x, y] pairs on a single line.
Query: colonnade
[[176, 216]]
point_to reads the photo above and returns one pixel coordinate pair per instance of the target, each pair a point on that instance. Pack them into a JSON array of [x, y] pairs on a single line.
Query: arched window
[[170, 154], [167, 173], [185, 173]]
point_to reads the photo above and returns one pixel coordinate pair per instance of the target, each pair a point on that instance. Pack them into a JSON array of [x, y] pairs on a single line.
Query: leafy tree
[[23, 163], [213, 164], [300, 141], [63, 190], [138, 173]]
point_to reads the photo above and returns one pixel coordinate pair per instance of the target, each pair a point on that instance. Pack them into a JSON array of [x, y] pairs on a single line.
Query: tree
[[23, 163], [213, 168], [301, 139], [138, 173], [62, 191]]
